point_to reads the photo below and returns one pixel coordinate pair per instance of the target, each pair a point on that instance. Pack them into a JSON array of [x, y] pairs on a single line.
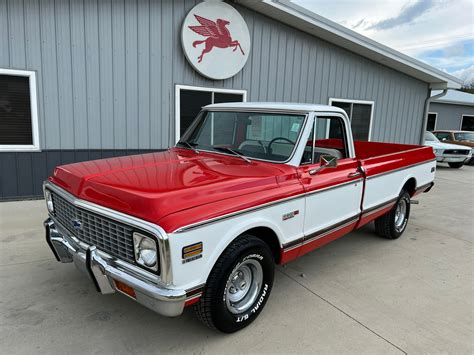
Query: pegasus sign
[[211, 34]]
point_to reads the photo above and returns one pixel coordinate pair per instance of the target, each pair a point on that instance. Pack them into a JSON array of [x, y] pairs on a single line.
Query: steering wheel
[[277, 139]]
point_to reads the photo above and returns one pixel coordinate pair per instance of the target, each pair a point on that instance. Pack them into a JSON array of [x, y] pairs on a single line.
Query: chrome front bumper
[[453, 158], [105, 270]]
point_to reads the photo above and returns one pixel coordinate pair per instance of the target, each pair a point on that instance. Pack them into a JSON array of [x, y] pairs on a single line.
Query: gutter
[[428, 100]]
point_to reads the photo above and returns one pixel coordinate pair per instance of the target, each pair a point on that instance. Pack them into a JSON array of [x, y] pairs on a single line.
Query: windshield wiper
[[230, 150], [189, 145]]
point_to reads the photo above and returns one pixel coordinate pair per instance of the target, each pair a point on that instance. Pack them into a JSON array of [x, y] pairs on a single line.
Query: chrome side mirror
[[325, 161]]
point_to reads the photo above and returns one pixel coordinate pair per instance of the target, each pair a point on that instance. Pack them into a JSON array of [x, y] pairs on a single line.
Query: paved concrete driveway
[[360, 294]]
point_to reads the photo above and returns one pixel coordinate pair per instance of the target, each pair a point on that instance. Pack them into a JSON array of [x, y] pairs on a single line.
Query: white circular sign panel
[[215, 40]]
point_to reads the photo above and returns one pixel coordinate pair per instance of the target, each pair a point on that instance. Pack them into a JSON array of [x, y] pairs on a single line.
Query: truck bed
[[377, 157], [366, 150]]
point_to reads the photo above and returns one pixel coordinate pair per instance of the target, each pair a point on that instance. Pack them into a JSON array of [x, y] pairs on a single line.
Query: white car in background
[[453, 154]]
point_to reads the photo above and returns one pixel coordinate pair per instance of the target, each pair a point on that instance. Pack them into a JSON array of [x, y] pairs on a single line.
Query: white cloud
[[407, 15], [466, 74], [433, 32]]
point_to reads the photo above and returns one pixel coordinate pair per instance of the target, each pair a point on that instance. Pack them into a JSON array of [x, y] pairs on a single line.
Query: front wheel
[[238, 286], [392, 224], [455, 165]]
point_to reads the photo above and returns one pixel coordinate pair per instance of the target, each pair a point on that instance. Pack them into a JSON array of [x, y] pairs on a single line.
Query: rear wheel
[[392, 224], [238, 286], [455, 165]]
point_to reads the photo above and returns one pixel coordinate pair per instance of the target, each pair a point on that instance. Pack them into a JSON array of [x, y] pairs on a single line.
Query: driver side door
[[333, 195]]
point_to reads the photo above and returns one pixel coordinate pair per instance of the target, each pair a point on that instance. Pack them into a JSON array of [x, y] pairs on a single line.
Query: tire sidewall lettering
[[263, 293]]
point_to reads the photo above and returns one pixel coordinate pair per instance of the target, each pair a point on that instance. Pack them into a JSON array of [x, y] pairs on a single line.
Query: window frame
[[35, 147], [462, 120], [306, 119], [436, 120], [177, 101], [313, 128], [363, 102]]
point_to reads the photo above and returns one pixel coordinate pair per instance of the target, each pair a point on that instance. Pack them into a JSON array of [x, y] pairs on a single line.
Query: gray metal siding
[[25, 172], [107, 70], [449, 115]]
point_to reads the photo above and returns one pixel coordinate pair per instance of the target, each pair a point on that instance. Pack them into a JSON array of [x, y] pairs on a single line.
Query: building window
[[467, 123], [190, 99], [18, 111], [431, 125], [360, 115]]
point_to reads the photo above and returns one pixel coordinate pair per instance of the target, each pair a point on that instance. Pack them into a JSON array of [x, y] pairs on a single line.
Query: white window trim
[[436, 119], [462, 119], [177, 101], [365, 102], [34, 113]]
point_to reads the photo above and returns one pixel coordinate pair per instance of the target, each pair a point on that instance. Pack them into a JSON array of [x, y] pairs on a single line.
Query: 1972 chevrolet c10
[[248, 186]]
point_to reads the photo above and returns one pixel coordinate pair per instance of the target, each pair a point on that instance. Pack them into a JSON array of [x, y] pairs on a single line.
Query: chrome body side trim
[[374, 209], [403, 168], [259, 207], [166, 276], [237, 213], [104, 270], [320, 233]]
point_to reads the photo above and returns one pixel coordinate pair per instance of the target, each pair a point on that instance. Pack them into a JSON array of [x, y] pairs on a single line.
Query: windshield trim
[[428, 133], [303, 126]]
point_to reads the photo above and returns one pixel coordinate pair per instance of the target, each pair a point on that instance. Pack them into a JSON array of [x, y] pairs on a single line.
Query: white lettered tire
[[239, 285]]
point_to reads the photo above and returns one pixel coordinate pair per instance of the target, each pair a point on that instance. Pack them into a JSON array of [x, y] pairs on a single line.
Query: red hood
[[152, 186]]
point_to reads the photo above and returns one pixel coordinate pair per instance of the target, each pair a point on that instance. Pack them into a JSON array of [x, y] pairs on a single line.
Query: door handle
[[312, 171], [354, 174]]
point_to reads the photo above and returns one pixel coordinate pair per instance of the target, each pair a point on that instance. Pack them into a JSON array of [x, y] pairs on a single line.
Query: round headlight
[[148, 252], [49, 201], [145, 250]]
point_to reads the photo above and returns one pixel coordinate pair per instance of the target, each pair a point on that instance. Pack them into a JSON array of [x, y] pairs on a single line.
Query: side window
[[443, 136], [327, 138]]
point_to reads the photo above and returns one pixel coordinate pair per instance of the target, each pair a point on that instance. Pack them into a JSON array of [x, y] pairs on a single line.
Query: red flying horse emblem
[[218, 35]]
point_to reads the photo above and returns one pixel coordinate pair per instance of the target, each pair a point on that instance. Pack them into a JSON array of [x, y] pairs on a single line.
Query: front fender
[[217, 236]]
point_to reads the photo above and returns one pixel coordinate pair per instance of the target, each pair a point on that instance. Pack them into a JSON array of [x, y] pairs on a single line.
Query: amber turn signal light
[[122, 287]]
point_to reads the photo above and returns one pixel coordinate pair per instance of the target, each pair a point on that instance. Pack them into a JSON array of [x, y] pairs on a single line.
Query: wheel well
[[410, 186], [268, 236]]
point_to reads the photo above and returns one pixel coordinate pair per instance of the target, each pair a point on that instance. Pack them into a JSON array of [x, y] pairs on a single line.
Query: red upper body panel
[[170, 188], [153, 186]]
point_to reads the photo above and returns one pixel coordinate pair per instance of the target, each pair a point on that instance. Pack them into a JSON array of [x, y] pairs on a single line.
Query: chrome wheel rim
[[401, 215], [243, 286]]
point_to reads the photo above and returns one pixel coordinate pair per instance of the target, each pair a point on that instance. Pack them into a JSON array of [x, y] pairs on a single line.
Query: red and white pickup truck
[[248, 186]]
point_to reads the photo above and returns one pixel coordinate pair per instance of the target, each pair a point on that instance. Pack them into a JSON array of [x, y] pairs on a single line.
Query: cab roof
[[274, 106]]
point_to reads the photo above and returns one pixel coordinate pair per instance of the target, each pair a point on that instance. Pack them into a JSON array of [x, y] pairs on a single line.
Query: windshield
[[464, 136], [430, 137], [266, 136]]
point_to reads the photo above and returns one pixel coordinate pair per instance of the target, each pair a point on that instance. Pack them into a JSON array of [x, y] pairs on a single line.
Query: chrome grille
[[457, 151], [110, 236]]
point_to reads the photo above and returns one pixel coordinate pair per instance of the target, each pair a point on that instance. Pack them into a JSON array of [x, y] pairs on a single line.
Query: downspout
[[428, 100]]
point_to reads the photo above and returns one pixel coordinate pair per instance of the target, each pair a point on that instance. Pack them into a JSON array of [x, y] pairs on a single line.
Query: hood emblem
[[76, 224]]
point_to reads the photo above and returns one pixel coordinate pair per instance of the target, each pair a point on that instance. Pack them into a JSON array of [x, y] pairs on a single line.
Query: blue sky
[[438, 32]]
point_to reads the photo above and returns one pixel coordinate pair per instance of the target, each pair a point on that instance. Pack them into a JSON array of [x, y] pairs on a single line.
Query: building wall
[[106, 72], [449, 115]]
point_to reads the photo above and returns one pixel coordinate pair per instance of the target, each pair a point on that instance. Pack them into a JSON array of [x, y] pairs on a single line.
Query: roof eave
[[452, 102], [316, 25]]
